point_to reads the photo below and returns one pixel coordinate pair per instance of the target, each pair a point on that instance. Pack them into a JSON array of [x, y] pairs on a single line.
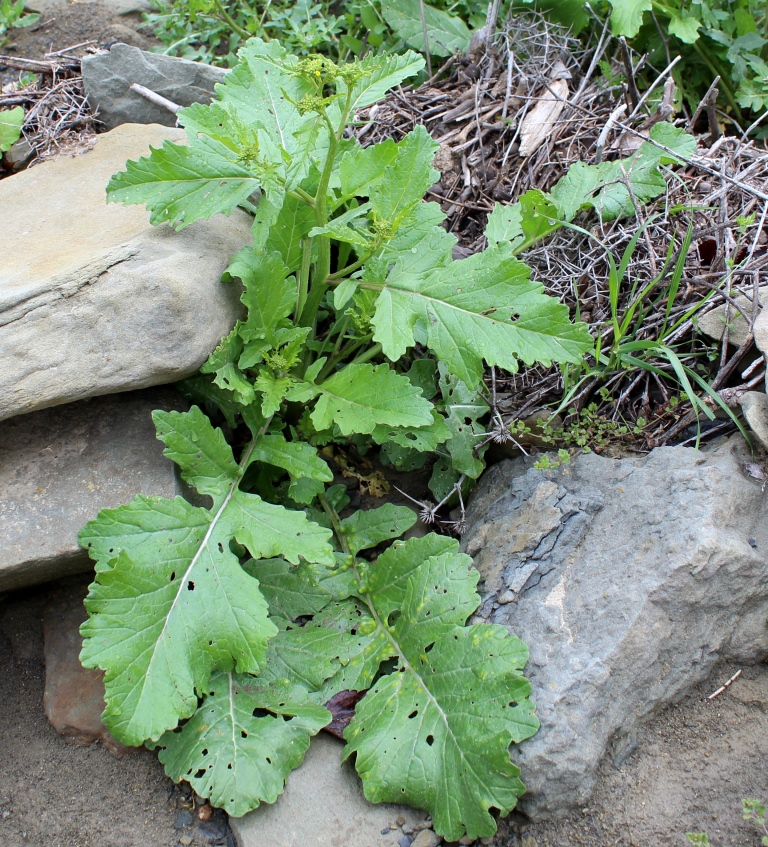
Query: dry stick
[[702, 105], [694, 163], [714, 129], [155, 98], [723, 687], [67, 49], [602, 138], [426, 36], [632, 92], [653, 85], [490, 22]]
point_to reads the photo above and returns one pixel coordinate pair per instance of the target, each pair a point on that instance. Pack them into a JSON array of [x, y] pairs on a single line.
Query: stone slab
[[74, 696], [712, 323], [754, 405], [48, 8], [628, 579], [94, 300], [58, 467], [108, 77], [323, 806]]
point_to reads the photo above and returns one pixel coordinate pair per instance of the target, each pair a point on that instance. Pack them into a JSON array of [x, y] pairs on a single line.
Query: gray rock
[[754, 404], [59, 467], [119, 7], [108, 78], [712, 323], [761, 331], [628, 579], [94, 300], [323, 806]]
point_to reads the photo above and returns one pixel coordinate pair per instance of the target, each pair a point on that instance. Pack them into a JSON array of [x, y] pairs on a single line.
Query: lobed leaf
[[171, 602], [447, 33], [464, 314], [180, 184], [436, 734], [361, 396], [234, 754]]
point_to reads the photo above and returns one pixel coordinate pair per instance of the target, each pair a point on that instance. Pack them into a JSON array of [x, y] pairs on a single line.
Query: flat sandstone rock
[[94, 300], [59, 467], [323, 806]]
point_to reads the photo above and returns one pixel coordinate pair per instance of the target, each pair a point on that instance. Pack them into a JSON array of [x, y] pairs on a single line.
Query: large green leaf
[[379, 74], [367, 528], [447, 33], [180, 184], [483, 307], [260, 90], [11, 122], [435, 734], [360, 397], [627, 16], [603, 186], [403, 183], [232, 756], [171, 602]]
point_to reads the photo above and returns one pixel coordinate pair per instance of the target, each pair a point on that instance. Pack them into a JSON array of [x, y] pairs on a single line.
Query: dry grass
[[476, 108]]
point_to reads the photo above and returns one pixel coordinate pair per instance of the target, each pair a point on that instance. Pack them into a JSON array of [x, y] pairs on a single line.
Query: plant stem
[[303, 288], [367, 355], [242, 32], [333, 517], [301, 194]]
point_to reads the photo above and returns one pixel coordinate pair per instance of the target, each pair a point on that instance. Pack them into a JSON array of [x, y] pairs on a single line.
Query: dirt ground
[[693, 766], [69, 24]]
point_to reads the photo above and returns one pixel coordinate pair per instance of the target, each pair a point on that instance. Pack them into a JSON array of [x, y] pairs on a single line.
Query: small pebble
[[185, 840], [688, 769], [386, 830], [205, 812], [184, 818], [426, 838], [400, 821], [466, 840], [404, 841], [407, 829]]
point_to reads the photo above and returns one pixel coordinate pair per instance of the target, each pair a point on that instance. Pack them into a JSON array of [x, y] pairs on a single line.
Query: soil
[[693, 765], [69, 24], [54, 793]]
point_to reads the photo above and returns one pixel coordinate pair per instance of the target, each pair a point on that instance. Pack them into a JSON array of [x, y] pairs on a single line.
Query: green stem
[[301, 194], [339, 275], [243, 33], [367, 355], [333, 517], [303, 287]]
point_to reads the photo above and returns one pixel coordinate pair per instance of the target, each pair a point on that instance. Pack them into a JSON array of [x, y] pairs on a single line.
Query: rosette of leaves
[[224, 628]]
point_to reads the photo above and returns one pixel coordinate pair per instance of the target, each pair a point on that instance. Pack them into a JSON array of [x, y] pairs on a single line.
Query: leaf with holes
[[435, 733], [171, 602], [485, 307], [244, 740]]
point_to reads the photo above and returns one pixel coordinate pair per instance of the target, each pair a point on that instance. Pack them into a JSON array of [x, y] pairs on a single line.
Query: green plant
[[212, 30], [223, 630], [715, 38], [753, 810], [11, 122], [12, 15]]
